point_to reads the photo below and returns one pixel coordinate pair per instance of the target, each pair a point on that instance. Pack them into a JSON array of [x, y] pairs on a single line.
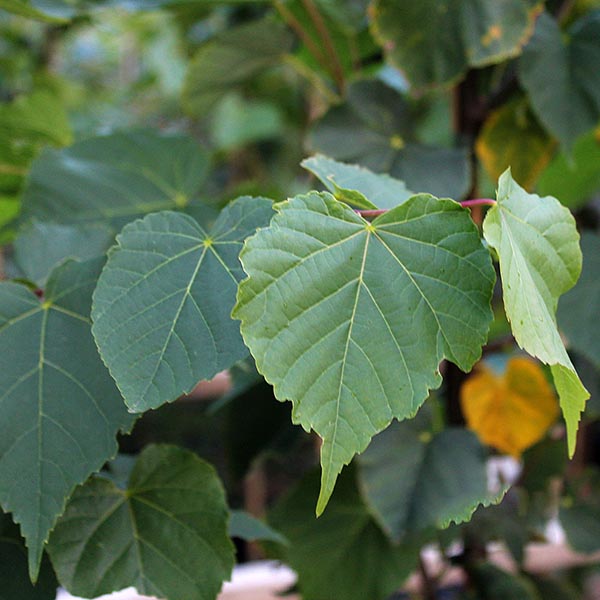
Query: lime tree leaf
[[561, 76], [350, 319], [574, 178], [243, 525], [375, 129], [14, 578], [231, 59], [344, 554], [165, 534], [60, 409], [434, 42], [39, 246], [512, 137], [115, 178], [538, 247], [578, 309], [162, 305], [356, 185], [414, 481]]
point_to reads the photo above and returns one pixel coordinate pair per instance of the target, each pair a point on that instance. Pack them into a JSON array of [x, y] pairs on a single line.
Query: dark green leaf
[[243, 525], [162, 305], [165, 535], [582, 527], [492, 583], [60, 408]]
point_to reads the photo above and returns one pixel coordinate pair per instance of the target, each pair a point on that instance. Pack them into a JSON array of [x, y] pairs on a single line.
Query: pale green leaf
[[115, 178], [344, 554], [560, 73], [415, 481], [356, 185], [60, 409], [538, 247], [162, 305], [165, 535], [434, 42], [243, 525], [25, 9], [349, 319]]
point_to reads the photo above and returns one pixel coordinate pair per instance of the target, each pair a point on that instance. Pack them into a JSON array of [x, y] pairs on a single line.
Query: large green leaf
[[540, 259], [344, 554], [165, 534], [115, 178], [356, 185], [39, 247], [375, 129], [415, 481], [560, 73], [350, 319], [574, 178], [60, 409], [231, 59], [162, 305], [578, 310], [434, 42]]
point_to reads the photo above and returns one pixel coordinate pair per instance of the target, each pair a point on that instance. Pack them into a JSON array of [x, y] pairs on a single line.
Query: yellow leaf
[[509, 412]]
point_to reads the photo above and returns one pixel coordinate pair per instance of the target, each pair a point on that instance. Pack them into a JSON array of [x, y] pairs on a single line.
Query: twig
[[370, 213]]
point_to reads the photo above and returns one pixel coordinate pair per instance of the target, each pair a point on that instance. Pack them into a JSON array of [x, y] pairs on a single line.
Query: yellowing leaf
[[510, 412]]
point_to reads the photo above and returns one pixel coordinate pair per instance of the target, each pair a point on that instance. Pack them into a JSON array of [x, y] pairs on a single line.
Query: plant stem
[[429, 591], [375, 212]]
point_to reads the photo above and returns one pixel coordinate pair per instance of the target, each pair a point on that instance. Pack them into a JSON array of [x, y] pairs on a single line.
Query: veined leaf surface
[[350, 319]]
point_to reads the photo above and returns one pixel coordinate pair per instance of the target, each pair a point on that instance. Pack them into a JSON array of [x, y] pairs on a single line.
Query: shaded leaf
[[356, 185], [61, 409], [243, 525], [165, 535], [540, 259], [349, 319], [415, 481], [561, 76], [512, 137], [343, 554], [581, 523], [115, 178], [375, 129], [162, 305], [511, 411], [434, 42], [493, 583]]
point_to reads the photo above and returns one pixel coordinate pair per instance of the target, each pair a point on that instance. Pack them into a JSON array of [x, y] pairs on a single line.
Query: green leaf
[[540, 259], [414, 481], [492, 582], [578, 309], [39, 247], [230, 59], [115, 178], [14, 578], [165, 535], [162, 305], [24, 9], [581, 523], [342, 555], [60, 409], [375, 129], [356, 185], [560, 73], [575, 178], [350, 319], [243, 525], [434, 42]]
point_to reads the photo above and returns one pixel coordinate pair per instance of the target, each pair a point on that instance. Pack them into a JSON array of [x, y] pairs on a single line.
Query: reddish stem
[[478, 202], [372, 213]]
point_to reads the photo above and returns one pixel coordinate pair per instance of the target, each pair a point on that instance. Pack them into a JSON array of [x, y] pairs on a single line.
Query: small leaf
[[356, 185], [560, 73], [512, 137], [579, 308], [243, 525], [165, 535], [435, 41], [415, 481], [60, 409], [512, 411], [349, 319], [540, 259], [25, 9], [344, 554], [162, 305]]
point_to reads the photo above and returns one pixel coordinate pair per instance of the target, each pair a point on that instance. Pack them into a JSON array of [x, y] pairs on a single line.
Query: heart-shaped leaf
[[350, 319], [162, 305], [165, 535]]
